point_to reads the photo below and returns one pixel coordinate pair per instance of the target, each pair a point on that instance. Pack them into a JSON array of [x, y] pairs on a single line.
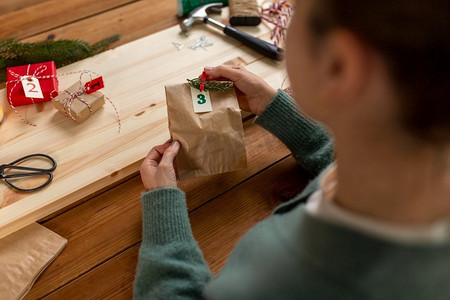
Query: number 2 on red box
[[31, 87]]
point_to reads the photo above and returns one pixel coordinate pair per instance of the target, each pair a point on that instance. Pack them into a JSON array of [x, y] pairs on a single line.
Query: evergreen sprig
[[62, 52], [218, 86]]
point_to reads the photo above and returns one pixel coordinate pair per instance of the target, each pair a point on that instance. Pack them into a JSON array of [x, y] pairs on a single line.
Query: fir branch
[[62, 52], [217, 86], [104, 44]]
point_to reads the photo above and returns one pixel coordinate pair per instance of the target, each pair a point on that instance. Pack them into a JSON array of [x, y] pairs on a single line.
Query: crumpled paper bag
[[24, 255], [211, 142]]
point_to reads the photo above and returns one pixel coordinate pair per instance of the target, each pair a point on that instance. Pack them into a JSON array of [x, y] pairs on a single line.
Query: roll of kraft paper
[[184, 7], [244, 13]]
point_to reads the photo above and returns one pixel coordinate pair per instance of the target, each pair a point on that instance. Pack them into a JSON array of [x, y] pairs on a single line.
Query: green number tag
[[202, 99]]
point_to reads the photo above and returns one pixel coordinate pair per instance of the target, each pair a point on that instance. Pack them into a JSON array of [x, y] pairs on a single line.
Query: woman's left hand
[[157, 169]]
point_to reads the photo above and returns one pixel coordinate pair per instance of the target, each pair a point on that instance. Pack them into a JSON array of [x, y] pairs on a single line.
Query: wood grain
[[103, 221], [10, 6], [112, 221], [93, 154], [113, 280], [132, 22], [46, 15], [217, 226]]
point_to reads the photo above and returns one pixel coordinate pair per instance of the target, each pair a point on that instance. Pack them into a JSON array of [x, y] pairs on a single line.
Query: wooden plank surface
[[103, 226], [245, 205], [50, 14], [133, 21], [10, 6], [93, 154], [112, 221]]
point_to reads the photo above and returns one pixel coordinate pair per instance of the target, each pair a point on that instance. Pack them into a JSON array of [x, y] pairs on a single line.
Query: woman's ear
[[344, 68]]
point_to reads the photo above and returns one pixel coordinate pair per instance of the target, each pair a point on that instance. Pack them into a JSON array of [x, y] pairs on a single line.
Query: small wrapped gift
[[75, 103], [32, 83]]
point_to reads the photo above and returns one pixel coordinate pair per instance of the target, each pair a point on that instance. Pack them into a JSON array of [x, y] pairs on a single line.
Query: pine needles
[[218, 86], [62, 52]]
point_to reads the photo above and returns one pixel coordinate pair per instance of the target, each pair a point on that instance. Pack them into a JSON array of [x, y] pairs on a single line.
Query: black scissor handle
[[29, 171], [50, 178], [51, 169]]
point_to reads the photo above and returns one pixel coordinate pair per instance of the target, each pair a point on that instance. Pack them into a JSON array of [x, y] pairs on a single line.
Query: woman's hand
[[157, 169], [253, 93]]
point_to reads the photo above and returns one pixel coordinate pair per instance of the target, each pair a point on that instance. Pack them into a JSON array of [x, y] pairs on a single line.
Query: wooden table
[[104, 229]]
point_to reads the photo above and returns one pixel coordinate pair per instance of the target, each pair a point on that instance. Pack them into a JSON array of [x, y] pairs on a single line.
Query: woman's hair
[[414, 38]]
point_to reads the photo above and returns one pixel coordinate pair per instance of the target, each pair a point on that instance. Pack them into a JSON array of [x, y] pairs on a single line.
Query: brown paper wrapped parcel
[[211, 142], [79, 110]]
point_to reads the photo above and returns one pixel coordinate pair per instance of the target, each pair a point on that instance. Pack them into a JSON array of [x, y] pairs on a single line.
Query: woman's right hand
[[253, 93]]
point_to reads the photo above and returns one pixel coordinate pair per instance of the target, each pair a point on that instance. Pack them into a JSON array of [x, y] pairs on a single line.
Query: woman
[[377, 221]]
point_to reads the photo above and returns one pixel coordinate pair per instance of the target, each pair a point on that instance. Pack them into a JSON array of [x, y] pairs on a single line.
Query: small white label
[[31, 87], [201, 100]]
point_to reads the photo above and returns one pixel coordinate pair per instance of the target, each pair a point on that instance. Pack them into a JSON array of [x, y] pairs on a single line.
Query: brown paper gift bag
[[211, 142], [24, 255]]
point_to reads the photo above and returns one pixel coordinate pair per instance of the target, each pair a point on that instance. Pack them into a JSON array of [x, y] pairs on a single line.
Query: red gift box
[[44, 72]]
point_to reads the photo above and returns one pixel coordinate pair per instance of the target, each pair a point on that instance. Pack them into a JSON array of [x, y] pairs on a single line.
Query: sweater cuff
[[165, 217], [300, 134]]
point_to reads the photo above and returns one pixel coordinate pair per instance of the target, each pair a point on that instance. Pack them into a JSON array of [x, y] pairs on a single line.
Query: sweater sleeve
[[170, 263], [308, 141]]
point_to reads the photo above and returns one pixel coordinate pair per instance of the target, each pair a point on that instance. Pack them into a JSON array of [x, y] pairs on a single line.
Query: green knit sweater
[[290, 255]]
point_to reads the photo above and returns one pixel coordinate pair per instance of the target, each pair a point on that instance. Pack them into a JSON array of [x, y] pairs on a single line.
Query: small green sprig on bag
[[214, 86]]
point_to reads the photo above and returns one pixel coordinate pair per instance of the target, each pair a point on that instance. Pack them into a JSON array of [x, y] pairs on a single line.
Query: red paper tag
[[94, 85], [203, 78]]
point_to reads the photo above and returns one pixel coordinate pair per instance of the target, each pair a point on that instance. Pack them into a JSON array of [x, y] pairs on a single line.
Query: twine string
[[115, 110], [277, 13], [16, 81], [67, 102], [288, 89], [243, 8]]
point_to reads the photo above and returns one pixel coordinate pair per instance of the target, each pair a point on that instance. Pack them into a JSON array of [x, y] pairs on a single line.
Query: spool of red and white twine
[[67, 102], [277, 13]]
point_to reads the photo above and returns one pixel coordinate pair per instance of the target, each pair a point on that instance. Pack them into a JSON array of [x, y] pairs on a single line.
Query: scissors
[[23, 171]]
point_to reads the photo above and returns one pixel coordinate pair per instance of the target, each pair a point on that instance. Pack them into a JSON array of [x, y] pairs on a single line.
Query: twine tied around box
[[76, 96], [67, 102]]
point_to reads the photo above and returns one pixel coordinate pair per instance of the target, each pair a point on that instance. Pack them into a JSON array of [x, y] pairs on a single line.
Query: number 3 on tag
[[201, 101], [31, 87]]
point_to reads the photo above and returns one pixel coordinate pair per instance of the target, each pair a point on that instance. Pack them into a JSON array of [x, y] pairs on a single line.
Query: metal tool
[[14, 171], [200, 14]]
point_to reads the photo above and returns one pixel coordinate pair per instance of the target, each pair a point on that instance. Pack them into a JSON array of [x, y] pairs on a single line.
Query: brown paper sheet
[[212, 142], [24, 255]]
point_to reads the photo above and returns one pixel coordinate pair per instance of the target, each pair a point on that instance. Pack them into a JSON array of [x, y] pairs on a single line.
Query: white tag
[[201, 100], [31, 87]]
